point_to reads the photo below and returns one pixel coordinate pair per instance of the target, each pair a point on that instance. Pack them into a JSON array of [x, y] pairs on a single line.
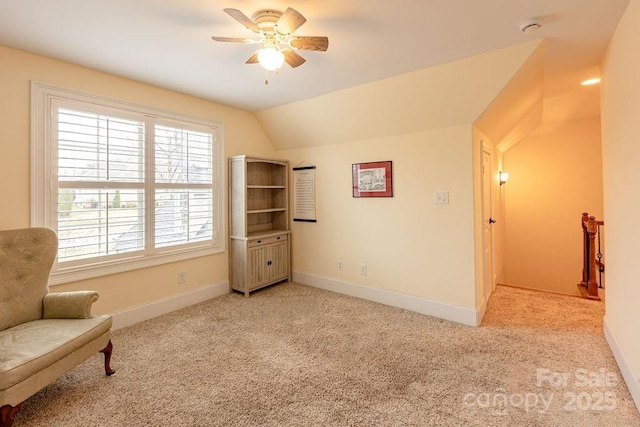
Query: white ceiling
[[168, 42]]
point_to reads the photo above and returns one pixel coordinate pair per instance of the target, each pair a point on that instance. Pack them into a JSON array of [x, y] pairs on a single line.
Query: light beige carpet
[[293, 355]]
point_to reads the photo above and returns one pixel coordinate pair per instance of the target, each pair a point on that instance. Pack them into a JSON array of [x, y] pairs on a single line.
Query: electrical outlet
[[339, 264], [442, 197], [182, 277], [363, 269]]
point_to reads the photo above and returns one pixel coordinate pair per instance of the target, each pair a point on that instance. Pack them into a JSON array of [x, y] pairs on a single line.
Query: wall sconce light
[[504, 177]]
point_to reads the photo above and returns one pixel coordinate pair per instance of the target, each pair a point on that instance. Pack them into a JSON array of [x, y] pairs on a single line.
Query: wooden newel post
[[585, 250], [592, 283]]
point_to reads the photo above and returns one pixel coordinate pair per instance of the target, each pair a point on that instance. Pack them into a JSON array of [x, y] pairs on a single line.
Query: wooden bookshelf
[[258, 222]]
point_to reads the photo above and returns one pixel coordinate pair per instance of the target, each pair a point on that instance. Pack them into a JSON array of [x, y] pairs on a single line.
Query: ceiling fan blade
[[243, 19], [293, 59], [310, 43], [253, 59], [290, 21], [233, 39]]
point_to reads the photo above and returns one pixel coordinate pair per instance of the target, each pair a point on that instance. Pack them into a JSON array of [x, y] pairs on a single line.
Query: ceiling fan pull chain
[[266, 77]]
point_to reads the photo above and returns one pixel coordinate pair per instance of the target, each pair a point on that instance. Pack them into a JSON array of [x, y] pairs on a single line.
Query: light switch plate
[[442, 197]]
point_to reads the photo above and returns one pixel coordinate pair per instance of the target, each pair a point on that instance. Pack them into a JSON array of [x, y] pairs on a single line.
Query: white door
[[487, 220]]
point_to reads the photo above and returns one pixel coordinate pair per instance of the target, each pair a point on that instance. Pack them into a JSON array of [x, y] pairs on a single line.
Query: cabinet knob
[[278, 238], [259, 241]]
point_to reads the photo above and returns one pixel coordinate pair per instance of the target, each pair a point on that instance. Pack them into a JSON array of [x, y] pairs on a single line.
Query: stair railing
[[592, 257]]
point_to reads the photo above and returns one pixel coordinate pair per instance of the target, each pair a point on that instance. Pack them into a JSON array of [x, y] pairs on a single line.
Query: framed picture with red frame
[[373, 179]]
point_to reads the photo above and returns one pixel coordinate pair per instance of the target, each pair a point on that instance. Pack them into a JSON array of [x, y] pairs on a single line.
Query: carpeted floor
[[293, 355]]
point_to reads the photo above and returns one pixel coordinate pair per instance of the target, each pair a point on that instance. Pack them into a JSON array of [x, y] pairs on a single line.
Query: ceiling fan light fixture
[[270, 58]]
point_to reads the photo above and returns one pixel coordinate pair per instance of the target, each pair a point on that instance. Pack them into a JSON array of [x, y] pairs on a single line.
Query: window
[[124, 186]]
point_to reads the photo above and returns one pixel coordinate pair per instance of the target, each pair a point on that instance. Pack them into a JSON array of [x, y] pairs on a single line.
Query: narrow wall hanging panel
[[304, 193]]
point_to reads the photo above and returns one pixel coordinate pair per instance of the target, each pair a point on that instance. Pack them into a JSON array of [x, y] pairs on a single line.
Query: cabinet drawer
[[267, 240]]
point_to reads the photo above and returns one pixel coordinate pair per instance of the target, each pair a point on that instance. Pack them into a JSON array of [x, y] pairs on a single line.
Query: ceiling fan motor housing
[[266, 20]]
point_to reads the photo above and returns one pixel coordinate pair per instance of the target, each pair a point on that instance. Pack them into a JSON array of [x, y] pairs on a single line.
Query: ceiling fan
[[275, 31]]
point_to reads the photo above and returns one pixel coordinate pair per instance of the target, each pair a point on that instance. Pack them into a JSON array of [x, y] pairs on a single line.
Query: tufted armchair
[[42, 334]]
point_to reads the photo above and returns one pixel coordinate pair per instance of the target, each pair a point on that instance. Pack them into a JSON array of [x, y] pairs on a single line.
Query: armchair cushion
[[33, 346], [69, 305]]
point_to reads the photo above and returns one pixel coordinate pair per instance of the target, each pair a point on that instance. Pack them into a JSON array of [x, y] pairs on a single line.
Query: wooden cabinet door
[[279, 257], [268, 263], [258, 266]]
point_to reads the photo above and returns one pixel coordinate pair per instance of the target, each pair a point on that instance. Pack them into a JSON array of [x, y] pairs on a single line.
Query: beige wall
[[517, 110], [242, 134], [410, 244], [555, 174], [621, 160]]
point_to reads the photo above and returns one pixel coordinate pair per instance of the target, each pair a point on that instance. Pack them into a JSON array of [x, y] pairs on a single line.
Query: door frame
[[487, 202]]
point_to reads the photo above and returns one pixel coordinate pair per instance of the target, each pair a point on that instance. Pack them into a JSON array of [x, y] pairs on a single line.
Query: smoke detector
[[531, 25]]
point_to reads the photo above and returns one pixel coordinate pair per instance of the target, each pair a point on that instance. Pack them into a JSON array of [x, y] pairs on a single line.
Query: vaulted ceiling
[[168, 42]]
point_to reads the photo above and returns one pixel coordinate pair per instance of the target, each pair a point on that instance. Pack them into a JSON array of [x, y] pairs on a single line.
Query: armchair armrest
[[69, 305]]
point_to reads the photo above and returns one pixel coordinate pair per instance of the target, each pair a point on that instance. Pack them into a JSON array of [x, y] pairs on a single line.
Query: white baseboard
[[630, 378], [455, 313], [139, 313]]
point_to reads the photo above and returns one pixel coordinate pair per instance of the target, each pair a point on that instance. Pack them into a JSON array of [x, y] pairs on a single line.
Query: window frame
[[44, 161]]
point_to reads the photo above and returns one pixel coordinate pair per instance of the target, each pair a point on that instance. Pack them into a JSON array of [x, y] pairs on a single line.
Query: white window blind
[[101, 174], [124, 186], [183, 177]]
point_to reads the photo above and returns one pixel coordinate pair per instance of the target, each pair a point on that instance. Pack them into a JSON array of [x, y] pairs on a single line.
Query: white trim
[[455, 313], [139, 313], [482, 310], [632, 381]]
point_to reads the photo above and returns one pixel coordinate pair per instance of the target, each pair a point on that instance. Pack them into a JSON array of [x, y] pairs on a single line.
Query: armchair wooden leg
[[107, 359], [8, 413]]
